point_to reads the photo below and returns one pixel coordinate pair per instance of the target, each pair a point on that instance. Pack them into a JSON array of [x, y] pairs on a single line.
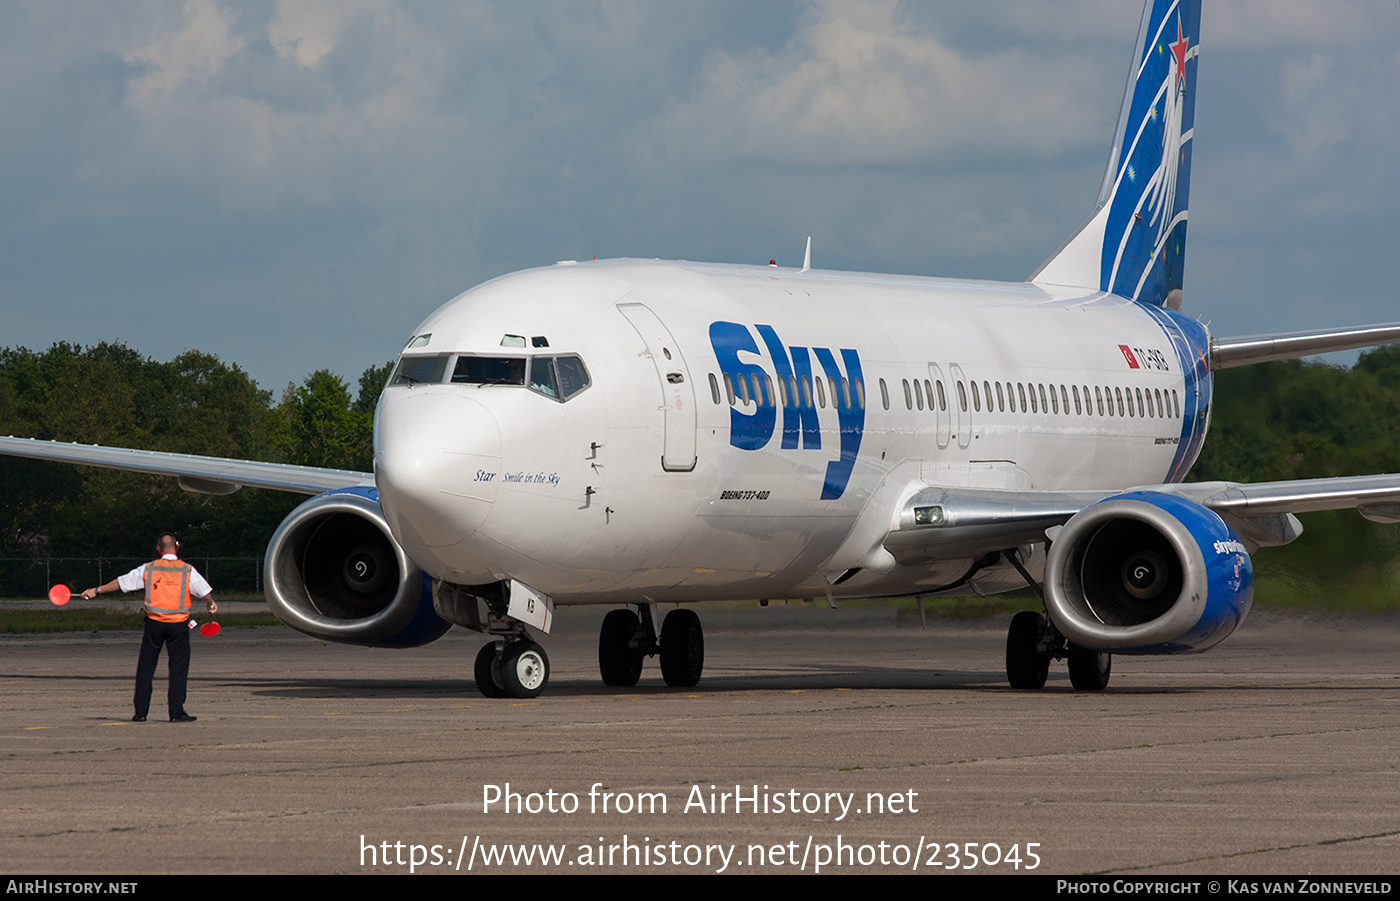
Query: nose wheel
[[519, 669]]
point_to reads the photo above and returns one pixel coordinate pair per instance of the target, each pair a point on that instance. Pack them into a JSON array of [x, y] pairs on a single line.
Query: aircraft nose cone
[[435, 462]]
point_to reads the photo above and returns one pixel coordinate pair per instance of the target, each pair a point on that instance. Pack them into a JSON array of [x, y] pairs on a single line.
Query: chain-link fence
[[31, 577]]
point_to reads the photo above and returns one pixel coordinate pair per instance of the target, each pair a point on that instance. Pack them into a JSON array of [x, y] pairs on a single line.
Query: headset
[[172, 538]]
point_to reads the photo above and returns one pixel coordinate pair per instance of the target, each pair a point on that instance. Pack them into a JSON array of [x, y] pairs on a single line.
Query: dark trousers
[[176, 638]]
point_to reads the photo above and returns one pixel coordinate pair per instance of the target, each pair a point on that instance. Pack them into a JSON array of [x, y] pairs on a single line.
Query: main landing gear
[[625, 639], [1032, 640], [1030, 643], [511, 669]]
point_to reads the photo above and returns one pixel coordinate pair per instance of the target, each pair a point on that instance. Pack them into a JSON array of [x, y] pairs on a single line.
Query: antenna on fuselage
[[807, 260]]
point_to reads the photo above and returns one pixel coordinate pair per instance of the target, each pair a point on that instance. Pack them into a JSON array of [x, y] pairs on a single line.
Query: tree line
[[1302, 420], [1283, 420], [110, 394]]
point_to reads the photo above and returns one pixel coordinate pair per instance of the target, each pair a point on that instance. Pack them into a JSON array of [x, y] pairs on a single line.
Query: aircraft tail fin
[[1134, 245]]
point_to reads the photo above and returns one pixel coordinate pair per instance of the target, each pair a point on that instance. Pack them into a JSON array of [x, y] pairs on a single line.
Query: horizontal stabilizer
[[1227, 353]]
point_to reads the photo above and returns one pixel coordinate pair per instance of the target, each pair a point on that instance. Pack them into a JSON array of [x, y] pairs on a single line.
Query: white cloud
[[308, 161], [859, 84], [348, 106], [307, 31], [1271, 24], [195, 54]]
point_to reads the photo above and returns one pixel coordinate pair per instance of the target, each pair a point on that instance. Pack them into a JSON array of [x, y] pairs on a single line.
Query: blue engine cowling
[[334, 571], [1147, 573]]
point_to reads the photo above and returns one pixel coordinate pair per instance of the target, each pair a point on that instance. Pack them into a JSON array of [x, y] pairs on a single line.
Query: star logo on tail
[[1179, 51]]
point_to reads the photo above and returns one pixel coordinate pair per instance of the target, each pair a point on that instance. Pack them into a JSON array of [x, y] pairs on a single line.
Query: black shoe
[[183, 718], [138, 718]]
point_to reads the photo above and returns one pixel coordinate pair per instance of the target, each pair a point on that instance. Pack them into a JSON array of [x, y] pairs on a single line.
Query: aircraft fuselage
[[738, 421]]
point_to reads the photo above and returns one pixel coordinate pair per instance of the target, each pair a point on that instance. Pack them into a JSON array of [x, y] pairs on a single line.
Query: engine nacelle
[[334, 571], [1147, 573]]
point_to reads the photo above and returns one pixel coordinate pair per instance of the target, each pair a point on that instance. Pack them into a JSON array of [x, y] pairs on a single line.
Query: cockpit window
[[542, 377], [490, 370], [558, 377], [419, 370], [573, 378]]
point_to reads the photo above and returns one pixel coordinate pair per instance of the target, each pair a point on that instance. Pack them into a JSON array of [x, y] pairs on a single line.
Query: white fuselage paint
[[601, 499]]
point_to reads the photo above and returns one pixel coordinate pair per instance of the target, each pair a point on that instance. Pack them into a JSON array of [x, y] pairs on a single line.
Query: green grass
[[1364, 589], [20, 622]]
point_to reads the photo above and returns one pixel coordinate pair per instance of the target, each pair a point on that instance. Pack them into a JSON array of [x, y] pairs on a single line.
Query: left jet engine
[[1147, 572], [334, 571]]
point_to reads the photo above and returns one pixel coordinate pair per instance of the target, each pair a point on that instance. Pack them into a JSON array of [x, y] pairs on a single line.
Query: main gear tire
[[619, 661], [1027, 665]]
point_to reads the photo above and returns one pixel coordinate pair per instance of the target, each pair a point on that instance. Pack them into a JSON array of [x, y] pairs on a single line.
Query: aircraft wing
[[205, 475], [1376, 497], [948, 521]]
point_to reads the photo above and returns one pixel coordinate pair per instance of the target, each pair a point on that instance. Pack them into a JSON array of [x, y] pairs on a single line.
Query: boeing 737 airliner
[[644, 433]]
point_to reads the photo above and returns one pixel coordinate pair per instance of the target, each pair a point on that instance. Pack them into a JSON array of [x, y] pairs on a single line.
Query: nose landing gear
[[518, 669]]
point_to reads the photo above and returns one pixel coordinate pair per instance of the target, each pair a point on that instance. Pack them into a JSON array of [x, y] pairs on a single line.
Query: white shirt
[[136, 580]]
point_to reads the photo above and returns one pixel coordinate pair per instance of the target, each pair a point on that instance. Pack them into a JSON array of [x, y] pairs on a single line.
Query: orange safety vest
[[168, 591]]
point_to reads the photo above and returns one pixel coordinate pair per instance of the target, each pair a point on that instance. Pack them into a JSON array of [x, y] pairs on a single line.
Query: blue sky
[[293, 186]]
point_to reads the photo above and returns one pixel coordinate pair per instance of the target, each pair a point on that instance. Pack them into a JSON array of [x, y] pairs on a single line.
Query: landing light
[[928, 516]]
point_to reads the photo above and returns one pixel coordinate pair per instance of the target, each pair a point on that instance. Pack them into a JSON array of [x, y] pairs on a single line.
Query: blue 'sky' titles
[[753, 431]]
